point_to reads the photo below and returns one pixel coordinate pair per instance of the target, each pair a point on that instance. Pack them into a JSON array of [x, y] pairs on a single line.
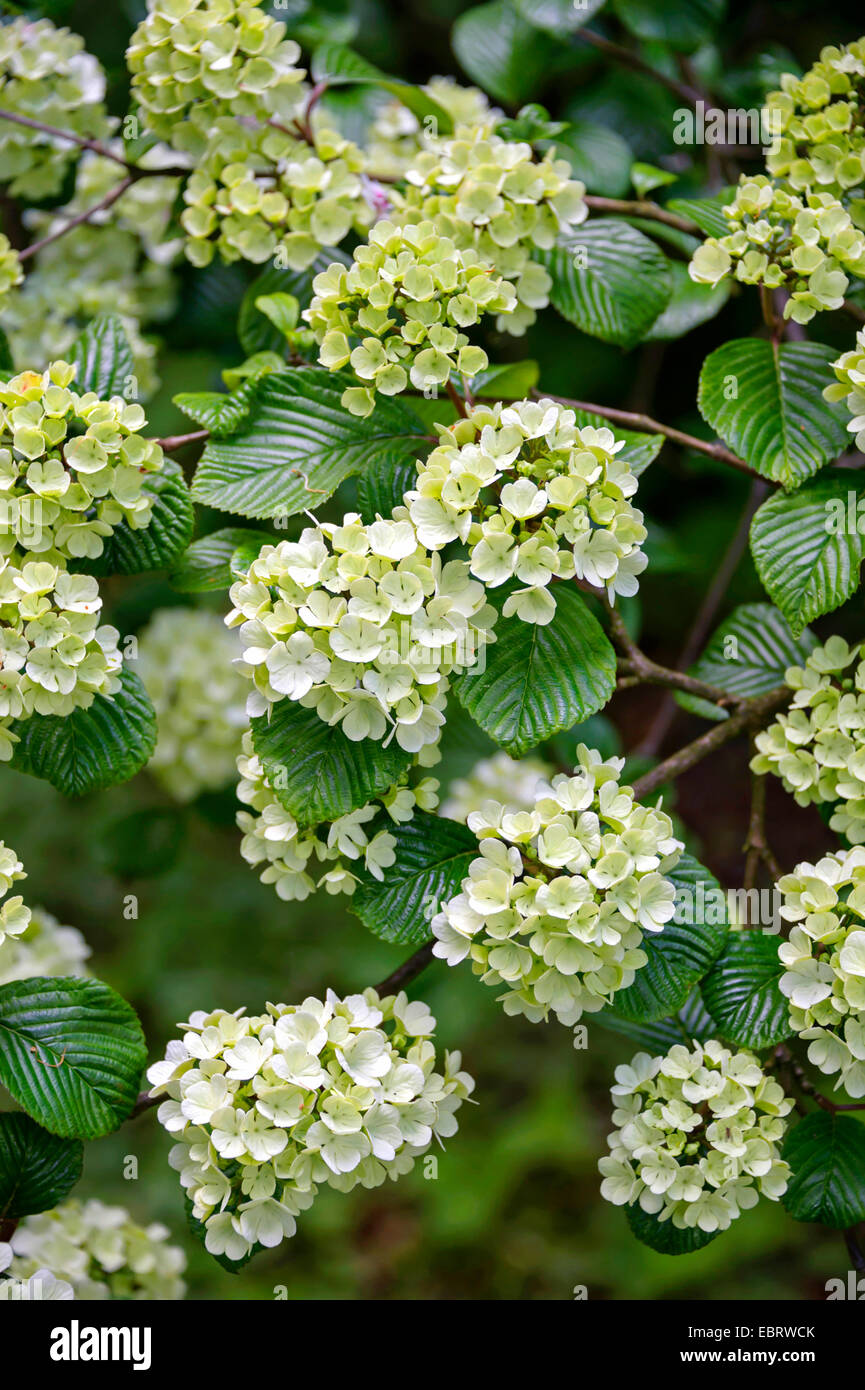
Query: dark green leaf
[[206, 566], [747, 655], [503, 53], [608, 279], [37, 1169], [538, 680], [317, 772], [690, 305], [103, 359], [663, 1236], [71, 1054], [165, 537], [598, 156], [706, 213], [683, 24], [221, 412], [93, 748], [657, 1037], [340, 66], [741, 990], [827, 1156], [432, 859]]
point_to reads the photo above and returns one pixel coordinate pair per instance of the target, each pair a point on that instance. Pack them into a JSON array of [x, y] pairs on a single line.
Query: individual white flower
[[337, 1091]]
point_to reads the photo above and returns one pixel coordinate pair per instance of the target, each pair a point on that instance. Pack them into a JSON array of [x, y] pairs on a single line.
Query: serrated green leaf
[[341, 66], [93, 748], [254, 329], [298, 444], [684, 951], [826, 1153], [383, 485], [683, 24], [807, 552], [663, 1236], [318, 773], [539, 680], [598, 156], [747, 655], [206, 566], [741, 991], [766, 402], [608, 279], [159, 543], [221, 412], [706, 213], [690, 305], [102, 358], [432, 859], [692, 1021], [502, 52], [71, 1054], [37, 1169]]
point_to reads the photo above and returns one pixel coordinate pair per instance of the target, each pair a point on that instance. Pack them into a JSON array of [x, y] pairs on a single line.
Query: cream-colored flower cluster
[[497, 778], [396, 135], [72, 466], [535, 498], [697, 1137], [14, 916], [825, 960], [362, 624], [185, 659], [492, 196], [98, 1249], [817, 748], [11, 273], [45, 947], [807, 244], [47, 77], [817, 124], [850, 387], [266, 1109], [299, 861], [395, 314], [555, 907]]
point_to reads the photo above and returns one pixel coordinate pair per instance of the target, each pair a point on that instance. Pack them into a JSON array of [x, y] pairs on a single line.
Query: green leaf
[[383, 485], [608, 279], [765, 401], [663, 1236], [342, 67], [71, 1054], [317, 772], [165, 537], [37, 1169], [221, 412], [657, 1037], [647, 177], [747, 655], [102, 358], [742, 994], [684, 24], [598, 156], [254, 329], [691, 304], [282, 309], [93, 748], [432, 859], [539, 679], [206, 566], [807, 546], [684, 951], [509, 381], [298, 444], [706, 213], [532, 123], [640, 449], [827, 1155], [559, 16], [503, 53]]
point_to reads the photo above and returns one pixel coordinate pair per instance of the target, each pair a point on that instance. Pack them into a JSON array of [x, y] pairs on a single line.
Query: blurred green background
[[515, 1210]]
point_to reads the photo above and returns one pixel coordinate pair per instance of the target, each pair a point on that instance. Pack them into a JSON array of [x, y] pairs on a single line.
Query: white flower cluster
[[14, 916], [825, 960], [362, 624], [185, 658], [818, 747], [697, 1136], [97, 1249], [43, 948], [492, 196], [290, 855], [555, 907], [40, 1287], [850, 387], [266, 1109], [498, 778], [535, 498], [395, 314], [396, 136], [46, 76]]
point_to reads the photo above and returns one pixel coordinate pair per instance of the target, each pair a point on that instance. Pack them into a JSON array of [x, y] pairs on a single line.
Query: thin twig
[[409, 969], [628, 59], [173, 442], [102, 206], [96, 146], [639, 207]]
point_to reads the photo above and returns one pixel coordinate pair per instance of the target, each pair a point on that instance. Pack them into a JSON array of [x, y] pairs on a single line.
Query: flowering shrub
[[266, 1109], [697, 1136]]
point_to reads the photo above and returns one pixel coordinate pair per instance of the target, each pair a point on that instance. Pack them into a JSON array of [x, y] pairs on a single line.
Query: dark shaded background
[[515, 1211]]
